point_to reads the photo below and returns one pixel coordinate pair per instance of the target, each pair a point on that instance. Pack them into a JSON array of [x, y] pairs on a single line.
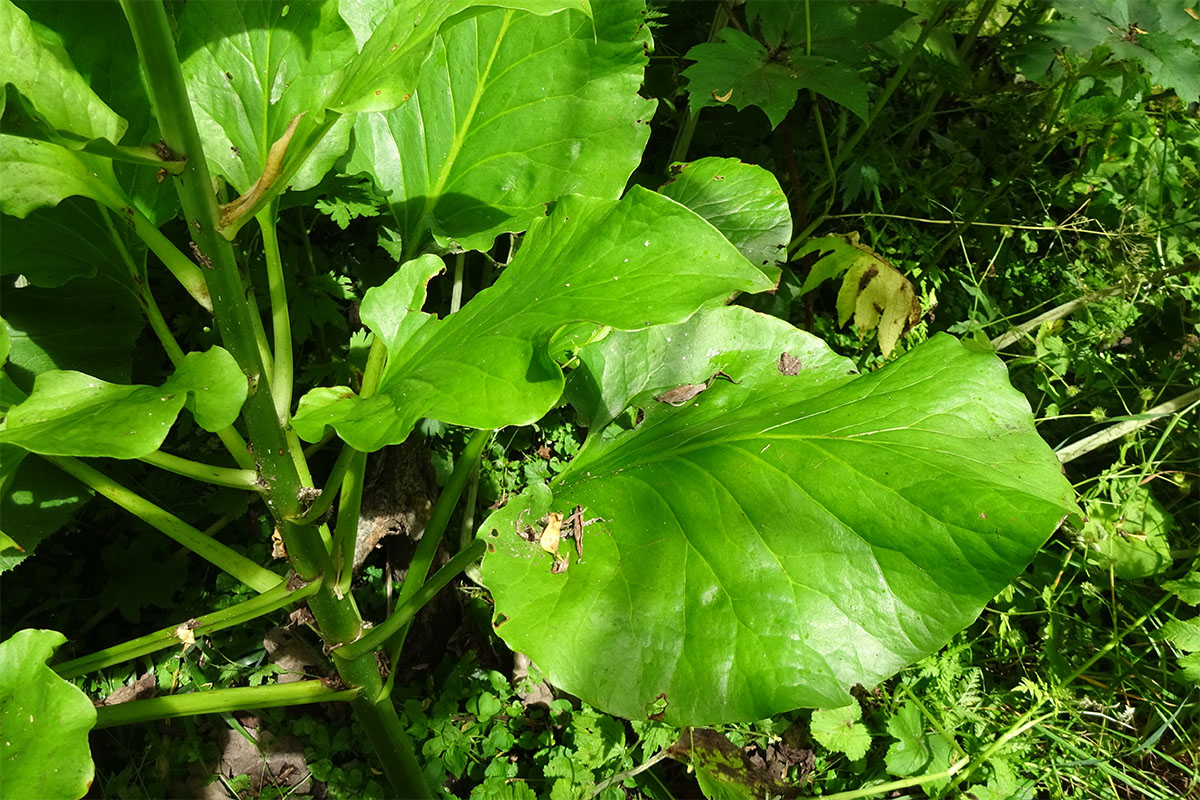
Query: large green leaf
[[55, 245], [42, 71], [641, 261], [36, 499], [86, 324], [512, 110], [742, 201], [44, 721], [775, 541], [631, 368], [36, 173], [74, 414], [254, 68]]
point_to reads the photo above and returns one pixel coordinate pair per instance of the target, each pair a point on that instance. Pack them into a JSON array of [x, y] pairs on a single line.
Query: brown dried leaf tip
[[788, 364]]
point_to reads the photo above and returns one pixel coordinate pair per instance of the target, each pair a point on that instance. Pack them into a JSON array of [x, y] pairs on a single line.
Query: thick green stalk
[[257, 578], [281, 325], [408, 609], [255, 607], [214, 701], [345, 534], [206, 473], [185, 271], [231, 309], [336, 615]]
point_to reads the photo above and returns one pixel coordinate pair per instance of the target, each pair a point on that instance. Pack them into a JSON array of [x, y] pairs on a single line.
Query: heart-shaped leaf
[[742, 201], [270, 82], [642, 261], [45, 720], [511, 111], [777, 540], [74, 414]]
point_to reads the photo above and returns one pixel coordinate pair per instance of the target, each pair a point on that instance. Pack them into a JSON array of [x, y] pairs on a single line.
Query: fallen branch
[[1067, 309], [1114, 432]]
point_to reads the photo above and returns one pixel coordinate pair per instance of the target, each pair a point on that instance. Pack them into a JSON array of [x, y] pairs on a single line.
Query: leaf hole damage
[[499, 620]]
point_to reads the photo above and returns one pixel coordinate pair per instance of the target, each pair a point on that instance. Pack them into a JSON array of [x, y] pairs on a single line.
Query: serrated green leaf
[[1162, 38], [1183, 633], [1189, 668], [1186, 588], [45, 720], [512, 110], [1131, 537], [910, 753], [642, 261], [75, 414], [783, 537], [839, 729], [739, 70], [743, 201]]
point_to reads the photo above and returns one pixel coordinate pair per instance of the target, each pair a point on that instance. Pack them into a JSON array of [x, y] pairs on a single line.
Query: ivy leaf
[[74, 414], [642, 261], [910, 753], [742, 201], [839, 729], [511, 111], [46, 722], [739, 70], [783, 537]]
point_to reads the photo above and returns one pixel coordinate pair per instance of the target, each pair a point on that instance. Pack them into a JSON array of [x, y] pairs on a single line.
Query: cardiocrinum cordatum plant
[[751, 525]]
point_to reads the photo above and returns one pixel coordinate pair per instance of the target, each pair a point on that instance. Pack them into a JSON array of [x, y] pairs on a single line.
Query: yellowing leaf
[[878, 296]]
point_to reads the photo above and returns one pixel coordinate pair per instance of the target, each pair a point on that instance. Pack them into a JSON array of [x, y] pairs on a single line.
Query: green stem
[[206, 473], [270, 600], [931, 24], [183, 268], [376, 359], [281, 326], [214, 701], [418, 568], [322, 503], [456, 292], [406, 610], [153, 314], [337, 616], [231, 302], [345, 534], [683, 137], [257, 578]]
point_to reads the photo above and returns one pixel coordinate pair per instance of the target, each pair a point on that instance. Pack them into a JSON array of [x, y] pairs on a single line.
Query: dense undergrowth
[[1030, 168]]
